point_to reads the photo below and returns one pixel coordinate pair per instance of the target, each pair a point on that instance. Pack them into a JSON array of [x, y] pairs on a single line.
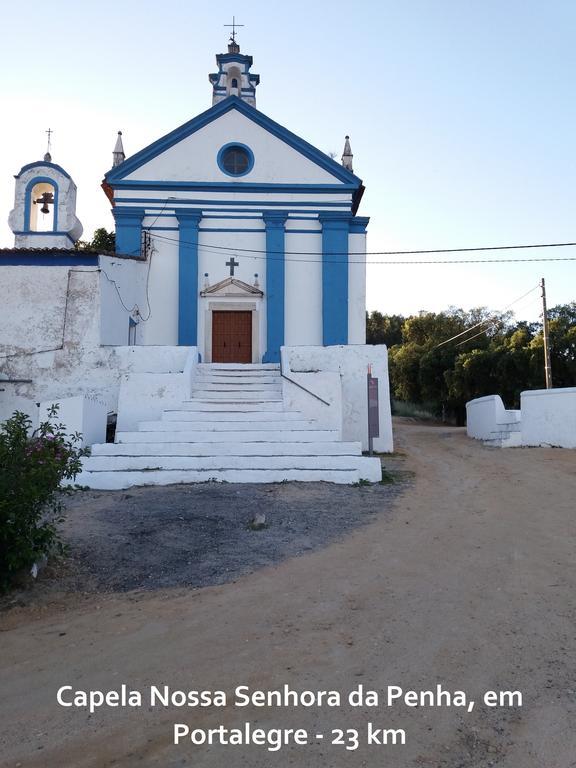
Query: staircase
[[235, 429], [506, 435]]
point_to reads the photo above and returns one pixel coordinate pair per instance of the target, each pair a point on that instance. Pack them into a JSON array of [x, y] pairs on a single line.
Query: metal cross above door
[[232, 264]]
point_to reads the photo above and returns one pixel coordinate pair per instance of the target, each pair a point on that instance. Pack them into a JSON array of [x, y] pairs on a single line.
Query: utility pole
[[547, 366]]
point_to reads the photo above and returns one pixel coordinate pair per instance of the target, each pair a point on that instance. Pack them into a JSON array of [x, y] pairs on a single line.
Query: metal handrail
[[283, 375]]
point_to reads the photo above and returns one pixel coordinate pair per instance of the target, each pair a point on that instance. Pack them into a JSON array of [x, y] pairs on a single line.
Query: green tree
[[101, 241]]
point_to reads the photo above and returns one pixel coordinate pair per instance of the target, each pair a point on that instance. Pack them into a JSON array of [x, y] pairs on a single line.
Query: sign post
[[373, 410]]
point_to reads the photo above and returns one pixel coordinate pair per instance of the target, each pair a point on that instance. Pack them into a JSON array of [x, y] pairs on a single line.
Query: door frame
[[232, 306]]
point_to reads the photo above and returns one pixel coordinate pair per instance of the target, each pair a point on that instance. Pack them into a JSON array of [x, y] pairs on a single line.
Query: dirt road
[[469, 582]]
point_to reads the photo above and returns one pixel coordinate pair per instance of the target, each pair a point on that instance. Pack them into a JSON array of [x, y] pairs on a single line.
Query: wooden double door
[[231, 337]]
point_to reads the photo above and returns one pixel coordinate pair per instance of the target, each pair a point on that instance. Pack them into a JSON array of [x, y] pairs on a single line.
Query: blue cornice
[[226, 105], [231, 186], [18, 258], [42, 164]]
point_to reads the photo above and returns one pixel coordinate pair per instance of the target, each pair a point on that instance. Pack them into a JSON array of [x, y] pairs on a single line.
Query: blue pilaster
[[335, 229], [128, 229], [188, 223], [275, 283]]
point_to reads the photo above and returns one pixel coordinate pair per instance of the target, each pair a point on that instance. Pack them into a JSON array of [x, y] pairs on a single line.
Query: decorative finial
[[233, 46], [256, 282], [347, 155], [118, 155], [48, 156]]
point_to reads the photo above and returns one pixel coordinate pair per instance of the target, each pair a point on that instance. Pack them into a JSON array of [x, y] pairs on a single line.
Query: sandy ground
[[469, 581]]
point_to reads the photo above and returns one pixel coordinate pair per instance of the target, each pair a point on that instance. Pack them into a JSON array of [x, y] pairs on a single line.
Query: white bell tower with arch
[[44, 213]]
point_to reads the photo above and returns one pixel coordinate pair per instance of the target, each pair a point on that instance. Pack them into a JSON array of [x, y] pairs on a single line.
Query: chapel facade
[[254, 234]]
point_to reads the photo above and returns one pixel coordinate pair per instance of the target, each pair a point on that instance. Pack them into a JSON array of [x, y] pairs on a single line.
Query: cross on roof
[[49, 133], [233, 25], [232, 263]]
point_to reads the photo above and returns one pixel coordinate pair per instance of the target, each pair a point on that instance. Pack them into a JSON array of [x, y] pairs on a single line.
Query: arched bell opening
[[41, 210], [234, 81]]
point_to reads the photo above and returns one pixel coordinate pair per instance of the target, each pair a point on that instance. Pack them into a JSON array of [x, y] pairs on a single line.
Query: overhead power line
[[489, 320], [285, 255]]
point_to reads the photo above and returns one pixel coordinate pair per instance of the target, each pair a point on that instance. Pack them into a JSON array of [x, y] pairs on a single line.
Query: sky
[[461, 115]]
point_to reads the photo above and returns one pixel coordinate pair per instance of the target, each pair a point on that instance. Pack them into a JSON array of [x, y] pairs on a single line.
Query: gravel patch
[[200, 535]]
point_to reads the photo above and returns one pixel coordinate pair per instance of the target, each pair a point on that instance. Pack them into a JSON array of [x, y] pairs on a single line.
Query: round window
[[235, 159]]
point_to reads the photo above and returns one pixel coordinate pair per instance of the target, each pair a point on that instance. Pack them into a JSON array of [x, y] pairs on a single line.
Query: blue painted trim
[[28, 204], [48, 233], [230, 186], [188, 222], [46, 260], [358, 225], [200, 201], [275, 284], [128, 228], [334, 278], [211, 216], [216, 111], [42, 164], [223, 169], [231, 229]]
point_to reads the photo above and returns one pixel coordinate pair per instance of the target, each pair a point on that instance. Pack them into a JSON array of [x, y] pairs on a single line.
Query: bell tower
[[234, 77], [44, 213]]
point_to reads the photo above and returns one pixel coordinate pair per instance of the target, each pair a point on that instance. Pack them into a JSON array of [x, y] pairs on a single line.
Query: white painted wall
[[485, 414], [65, 359], [549, 417], [160, 324], [303, 308], [195, 156], [351, 363], [357, 289], [144, 395], [122, 295], [86, 414]]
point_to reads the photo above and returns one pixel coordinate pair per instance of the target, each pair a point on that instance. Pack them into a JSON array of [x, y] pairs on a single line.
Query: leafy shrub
[[33, 465]]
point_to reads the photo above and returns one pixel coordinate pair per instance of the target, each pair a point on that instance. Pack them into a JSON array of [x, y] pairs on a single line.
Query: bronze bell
[[46, 199]]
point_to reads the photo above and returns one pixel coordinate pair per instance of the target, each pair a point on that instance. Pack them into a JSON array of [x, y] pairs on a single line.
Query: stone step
[[238, 378], [286, 425], [324, 448], [509, 426], [231, 386], [148, 463], [238, 396], [202, 405], [239, 367], [316, 450], [242, 436], [126, 479], [230, 416]]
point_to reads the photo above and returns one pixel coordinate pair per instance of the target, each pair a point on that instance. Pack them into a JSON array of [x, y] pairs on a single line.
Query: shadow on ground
[[200, 535]]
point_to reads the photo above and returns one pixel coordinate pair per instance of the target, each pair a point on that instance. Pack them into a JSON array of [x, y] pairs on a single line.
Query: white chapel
[[234, 303]]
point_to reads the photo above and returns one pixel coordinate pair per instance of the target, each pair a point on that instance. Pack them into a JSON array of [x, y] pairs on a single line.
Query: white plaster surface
[[484, 416], [549, 417], [351, 363], [85, 414], [195, 156]]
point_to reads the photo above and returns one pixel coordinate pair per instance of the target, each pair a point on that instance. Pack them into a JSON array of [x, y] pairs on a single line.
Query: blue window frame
[[235, 159]]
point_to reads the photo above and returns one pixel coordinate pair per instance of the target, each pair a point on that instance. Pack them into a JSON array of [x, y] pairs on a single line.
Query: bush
[[33, 465]]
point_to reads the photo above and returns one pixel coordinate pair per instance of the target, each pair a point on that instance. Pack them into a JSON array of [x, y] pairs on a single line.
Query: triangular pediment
[[233, 287], [188, 156]]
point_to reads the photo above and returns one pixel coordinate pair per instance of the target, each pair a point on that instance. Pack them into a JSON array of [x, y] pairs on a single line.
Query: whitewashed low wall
[[349, 364], [143, 396], [84, 414], [99, 372], [485, 414], [549, 417]]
